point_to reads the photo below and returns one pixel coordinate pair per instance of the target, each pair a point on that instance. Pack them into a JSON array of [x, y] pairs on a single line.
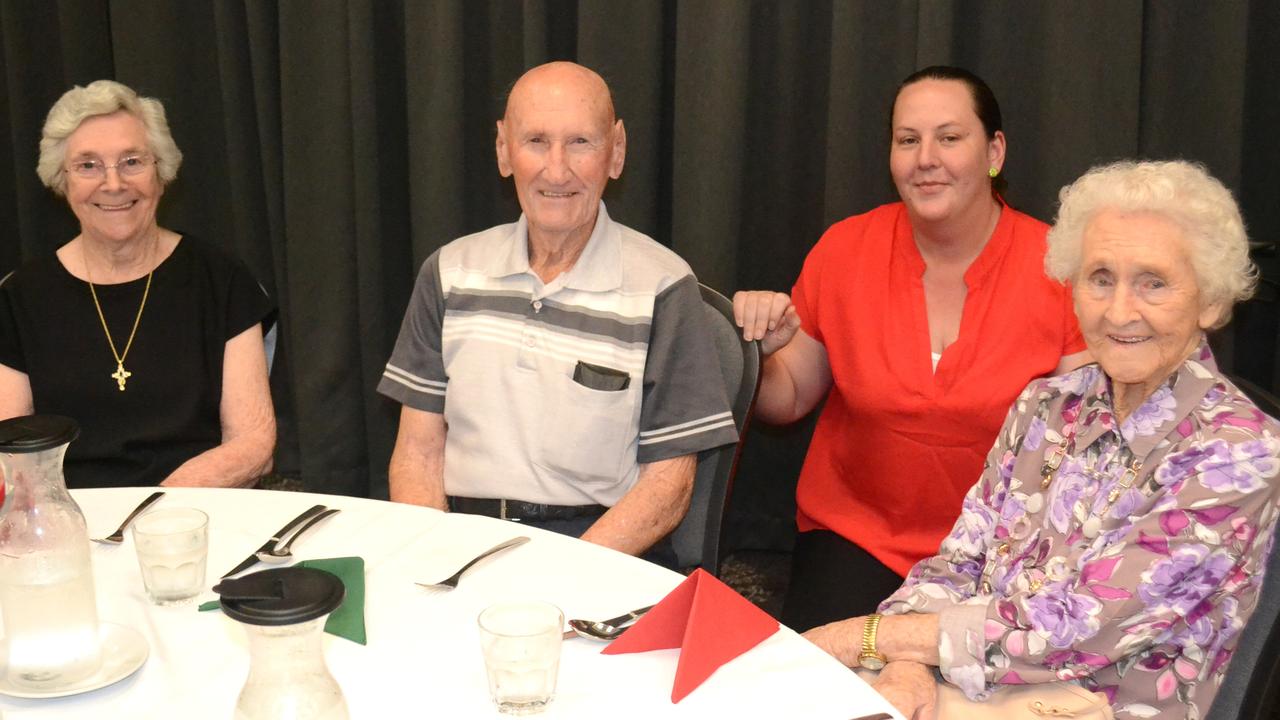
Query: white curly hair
[[1180, 191]]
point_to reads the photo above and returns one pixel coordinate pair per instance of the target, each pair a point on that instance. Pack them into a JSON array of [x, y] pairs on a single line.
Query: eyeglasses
[[127, 166]]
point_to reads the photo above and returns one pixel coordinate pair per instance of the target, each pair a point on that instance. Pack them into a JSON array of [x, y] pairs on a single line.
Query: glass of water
[[521, 646], [172, 545]]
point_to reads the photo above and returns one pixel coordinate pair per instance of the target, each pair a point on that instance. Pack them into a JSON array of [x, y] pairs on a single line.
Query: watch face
[[871, 662]]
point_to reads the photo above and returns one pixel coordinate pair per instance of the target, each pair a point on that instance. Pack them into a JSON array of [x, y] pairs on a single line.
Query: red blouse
[[898, 445]]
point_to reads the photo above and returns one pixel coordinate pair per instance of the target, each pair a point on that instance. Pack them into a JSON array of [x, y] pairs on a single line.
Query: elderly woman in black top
[[152, 340]]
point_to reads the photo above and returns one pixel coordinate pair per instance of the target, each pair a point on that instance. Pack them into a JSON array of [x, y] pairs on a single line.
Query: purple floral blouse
[[1124, 556]]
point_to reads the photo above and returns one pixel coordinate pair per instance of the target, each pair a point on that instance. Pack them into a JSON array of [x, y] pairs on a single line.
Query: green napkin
[[348, 620]]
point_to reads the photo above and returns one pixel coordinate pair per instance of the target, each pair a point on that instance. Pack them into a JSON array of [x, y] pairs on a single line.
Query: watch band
[[869, 657]]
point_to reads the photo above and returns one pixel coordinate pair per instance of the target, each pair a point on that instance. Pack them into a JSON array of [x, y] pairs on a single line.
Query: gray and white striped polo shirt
[[496, 350]]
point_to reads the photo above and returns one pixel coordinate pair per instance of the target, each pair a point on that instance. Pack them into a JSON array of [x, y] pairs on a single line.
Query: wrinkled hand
[[841, 640], [909, 687], [766, 316]]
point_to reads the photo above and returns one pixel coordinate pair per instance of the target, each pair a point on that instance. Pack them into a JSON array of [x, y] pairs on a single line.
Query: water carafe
[[284, 612], [46, 580]]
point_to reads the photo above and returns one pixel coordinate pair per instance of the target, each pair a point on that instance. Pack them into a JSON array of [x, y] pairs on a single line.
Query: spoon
[[605, 629], [281, 552]]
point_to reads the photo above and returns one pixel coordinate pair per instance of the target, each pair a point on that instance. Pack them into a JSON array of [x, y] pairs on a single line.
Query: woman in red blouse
[[919, 322]]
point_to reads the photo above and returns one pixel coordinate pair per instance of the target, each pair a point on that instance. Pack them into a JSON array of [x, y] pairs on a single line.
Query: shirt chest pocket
[[589, 435]]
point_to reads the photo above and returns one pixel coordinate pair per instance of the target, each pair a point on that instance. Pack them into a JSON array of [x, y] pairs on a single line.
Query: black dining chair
[[1251, 688], [697, 540]]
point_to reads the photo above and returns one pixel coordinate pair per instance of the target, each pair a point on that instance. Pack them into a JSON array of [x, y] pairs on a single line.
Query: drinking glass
[[172, 545], [521, 646]]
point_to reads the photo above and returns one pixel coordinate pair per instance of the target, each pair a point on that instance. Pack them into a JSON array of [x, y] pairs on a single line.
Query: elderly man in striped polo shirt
[[557, 370]]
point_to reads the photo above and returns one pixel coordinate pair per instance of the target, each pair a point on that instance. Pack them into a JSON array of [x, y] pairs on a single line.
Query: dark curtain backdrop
[[334, 145]]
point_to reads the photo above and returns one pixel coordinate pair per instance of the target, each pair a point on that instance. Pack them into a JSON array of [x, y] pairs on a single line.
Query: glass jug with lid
[[284, 611], [46, 579]]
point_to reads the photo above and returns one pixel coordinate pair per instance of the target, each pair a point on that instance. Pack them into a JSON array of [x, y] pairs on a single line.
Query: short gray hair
[[103, 97], [1180, 191]]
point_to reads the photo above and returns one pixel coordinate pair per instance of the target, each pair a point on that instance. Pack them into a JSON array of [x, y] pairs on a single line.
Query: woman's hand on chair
[[766, 316]]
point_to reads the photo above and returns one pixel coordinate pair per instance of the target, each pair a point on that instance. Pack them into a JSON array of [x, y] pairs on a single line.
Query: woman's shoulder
[[1026, 223], [37, 271], [871, 226], [222, 280], [194, 247], [1229, 413], [1029, 235], [1228, 441], [199, 255]]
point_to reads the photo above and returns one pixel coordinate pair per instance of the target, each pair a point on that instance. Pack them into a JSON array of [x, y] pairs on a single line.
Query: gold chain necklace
[[120, 375]]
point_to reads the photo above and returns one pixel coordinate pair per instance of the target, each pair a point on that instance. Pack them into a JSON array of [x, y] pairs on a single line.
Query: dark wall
[[333, 145]]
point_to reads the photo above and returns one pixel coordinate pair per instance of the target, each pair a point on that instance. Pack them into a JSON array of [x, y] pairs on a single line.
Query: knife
[[633, 615], [253, 556]]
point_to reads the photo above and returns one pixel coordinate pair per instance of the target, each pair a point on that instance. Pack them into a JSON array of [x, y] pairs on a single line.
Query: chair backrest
[[697, 538], [269, 345], [1250, 675]]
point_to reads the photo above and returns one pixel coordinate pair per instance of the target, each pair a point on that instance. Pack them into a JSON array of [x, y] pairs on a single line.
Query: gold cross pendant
[[120, 375]]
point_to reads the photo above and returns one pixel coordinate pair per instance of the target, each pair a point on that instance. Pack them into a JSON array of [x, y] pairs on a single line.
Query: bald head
[[566, 85], [561, 143]]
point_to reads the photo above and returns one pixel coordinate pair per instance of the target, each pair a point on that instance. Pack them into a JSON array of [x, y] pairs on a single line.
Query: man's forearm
[[417, 481], [416, 472], [650, 510]]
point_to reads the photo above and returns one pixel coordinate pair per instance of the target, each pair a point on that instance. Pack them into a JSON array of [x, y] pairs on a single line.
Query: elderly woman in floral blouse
[[1119, 531]]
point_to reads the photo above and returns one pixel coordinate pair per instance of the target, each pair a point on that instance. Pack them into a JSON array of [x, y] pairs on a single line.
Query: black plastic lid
[[281, 596], [33, 433]]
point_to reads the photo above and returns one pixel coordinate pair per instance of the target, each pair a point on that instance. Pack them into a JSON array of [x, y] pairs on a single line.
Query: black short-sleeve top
[[169, 412]]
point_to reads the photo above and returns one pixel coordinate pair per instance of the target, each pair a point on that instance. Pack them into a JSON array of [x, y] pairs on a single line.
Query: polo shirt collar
[[599, 268]]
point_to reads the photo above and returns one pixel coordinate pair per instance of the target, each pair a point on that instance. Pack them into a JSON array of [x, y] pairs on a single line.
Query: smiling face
[[940, 154], [114, 209], [561, 143], [1138, 301]]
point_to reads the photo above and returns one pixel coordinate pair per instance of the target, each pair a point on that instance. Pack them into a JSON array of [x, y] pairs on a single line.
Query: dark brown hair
[[985, 105]]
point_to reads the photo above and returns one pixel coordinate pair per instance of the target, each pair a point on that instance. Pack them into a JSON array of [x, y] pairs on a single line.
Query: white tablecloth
[[423, 658]]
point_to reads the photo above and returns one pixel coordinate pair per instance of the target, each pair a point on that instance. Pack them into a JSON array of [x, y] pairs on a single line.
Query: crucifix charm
[[120, 374]]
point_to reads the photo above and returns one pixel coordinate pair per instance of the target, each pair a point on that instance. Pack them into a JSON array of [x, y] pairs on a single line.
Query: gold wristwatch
[[869, 657]]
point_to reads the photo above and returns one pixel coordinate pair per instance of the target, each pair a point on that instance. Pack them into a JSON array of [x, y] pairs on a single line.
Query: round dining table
[[423, 656]]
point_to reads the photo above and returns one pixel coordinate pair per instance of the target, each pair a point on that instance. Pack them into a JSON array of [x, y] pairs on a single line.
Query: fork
[[117, 537], [451, 582]]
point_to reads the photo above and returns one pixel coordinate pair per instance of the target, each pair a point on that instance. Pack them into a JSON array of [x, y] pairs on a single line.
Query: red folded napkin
[[707, 620]]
